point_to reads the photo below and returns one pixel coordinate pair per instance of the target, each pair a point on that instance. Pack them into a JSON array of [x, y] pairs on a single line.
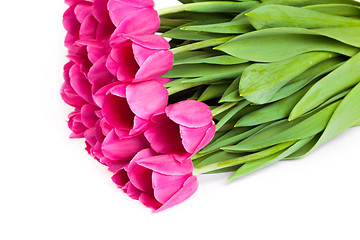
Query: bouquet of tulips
[[207, 86]]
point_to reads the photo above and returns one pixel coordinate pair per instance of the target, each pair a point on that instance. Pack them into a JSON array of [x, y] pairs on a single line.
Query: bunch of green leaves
[[281, 77]]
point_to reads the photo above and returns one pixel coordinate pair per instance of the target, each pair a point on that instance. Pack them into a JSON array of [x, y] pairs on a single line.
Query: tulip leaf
[[252, 166], [274, 16], [344, 77], [260, 82], [309, 2], [200, 70], [233, 27], [284, 130], [220, 60], [221, 6], [345, 116], [233, 136], [231, 113], [345, 10], [308, 76], [276, 44], [272, 112], [212, 91]]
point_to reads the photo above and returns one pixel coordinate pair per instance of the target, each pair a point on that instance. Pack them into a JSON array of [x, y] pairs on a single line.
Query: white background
[[51, 189]]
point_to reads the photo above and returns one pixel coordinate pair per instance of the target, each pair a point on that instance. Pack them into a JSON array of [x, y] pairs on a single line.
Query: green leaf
[[284, 131], [276, 44], [272, 112], [178, 33], [252, 166], [274, 16], [233, 27], [243, 158], [345, 10], [260, 82], [216, 7], [345, 116], [220, 60], [212, 91], [201, 70], [231, 113], [314, 73], [233, 136], [309, 2], [346, 76]]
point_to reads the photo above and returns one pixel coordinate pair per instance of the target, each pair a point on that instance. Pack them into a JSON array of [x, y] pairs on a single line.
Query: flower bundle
[[279, 78]]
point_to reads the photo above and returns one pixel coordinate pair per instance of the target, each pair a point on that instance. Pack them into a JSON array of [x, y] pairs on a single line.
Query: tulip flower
[[157, 181]]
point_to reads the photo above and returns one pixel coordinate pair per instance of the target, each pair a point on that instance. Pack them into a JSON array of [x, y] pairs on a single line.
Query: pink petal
[[100, 95], [165, 137], [99, 76], [149, 201], [122, 149], [148, 23], [80, 83], [117, 112], [88, 116], [162, 80], [88, 28], [70, 97], [132, 191], [121, 62], [82, 10], [166, 164], [100, 11], [166, 186], [140, 177], [209, 135], [136, 3], [188, 189], [120, 178], [147, 98], [150, 41], [155, 66], [139, 125], [190, 113]]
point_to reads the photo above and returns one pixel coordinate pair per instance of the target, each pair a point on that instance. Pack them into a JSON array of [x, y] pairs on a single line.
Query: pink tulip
[[157, 181], [135, 17], [183, 129], [129, 107], [139, 58]]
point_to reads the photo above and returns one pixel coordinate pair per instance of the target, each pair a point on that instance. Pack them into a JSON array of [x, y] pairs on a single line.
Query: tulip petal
[[120, 178], [166, 186], [188, 189], [148, 23], [155, 66], [165, 137], [147, 98], [80, 83], [149, 201], [150, 41], [166, 164], [192, 137], [189, 113], [122, 149]]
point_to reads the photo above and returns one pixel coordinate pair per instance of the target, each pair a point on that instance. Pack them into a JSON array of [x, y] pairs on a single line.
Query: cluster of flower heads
[[113, 80]]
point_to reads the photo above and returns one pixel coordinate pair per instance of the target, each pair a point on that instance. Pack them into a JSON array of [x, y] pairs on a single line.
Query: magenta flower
[[135, 17], [118, 151], [183, 129], [129, 107], [157, 181], [139, 58]]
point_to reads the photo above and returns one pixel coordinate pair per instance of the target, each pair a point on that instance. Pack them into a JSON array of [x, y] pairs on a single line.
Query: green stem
[[201, 45], [181, 87], [183, 7], [243, 159], [223, 108]]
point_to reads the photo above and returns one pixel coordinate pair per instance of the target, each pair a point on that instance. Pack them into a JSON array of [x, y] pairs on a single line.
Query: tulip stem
[[223, 108], [187, 7], [181, 87], [201, 45], [243, 159]]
